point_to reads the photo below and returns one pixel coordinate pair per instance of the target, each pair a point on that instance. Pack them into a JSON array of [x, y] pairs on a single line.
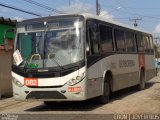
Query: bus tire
[[142, 80], [103, 99]]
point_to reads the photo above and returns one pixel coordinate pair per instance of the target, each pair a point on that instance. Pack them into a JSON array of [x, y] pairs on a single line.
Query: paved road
[[129, 101]]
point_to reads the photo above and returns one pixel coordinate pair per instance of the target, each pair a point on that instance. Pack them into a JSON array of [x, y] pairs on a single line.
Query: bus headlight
[[76, 80], [18, 83]]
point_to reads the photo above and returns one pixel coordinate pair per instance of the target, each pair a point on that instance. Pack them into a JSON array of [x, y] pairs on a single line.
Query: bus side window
[[120, 40], [146, 44], [93, 41], [140, 43], [130, 41], [106, 38]]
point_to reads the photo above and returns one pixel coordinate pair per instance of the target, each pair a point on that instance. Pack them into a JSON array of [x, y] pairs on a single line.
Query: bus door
[[93, 56]]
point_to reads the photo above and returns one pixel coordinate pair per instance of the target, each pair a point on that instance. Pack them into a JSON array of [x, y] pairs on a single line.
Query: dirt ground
[[127, 101]]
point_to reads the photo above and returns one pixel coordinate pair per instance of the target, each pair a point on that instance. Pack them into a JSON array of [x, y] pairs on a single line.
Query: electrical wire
[[17, 9], [44, 6], [30, 6], [131, 13]]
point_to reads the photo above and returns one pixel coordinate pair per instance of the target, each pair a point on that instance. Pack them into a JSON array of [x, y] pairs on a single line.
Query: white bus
[[78, 57]]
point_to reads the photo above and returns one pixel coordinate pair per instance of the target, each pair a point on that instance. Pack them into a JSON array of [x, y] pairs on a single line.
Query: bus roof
[[112, 21], [89, 16]]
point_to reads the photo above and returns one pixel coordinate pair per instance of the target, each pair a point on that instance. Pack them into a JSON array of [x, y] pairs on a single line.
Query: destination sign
[[49, 25]]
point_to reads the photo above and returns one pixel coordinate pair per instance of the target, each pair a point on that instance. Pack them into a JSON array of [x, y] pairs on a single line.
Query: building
[[6, 40], [6, 24]]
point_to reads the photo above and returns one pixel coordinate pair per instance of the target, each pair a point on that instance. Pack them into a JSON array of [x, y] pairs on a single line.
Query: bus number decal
[[31, 81]]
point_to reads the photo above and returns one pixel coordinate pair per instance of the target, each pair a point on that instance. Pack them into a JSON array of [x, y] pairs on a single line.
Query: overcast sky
[[120, 10]]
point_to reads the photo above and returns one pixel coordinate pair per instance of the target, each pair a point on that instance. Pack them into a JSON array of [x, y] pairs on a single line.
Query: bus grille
[[45, 95]]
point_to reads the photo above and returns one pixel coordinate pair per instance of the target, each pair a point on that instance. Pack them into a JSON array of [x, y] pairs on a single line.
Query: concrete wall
[[5, 73]]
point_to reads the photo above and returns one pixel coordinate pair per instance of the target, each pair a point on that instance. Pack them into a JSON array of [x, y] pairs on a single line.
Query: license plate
[[31, 81], [74, 89]]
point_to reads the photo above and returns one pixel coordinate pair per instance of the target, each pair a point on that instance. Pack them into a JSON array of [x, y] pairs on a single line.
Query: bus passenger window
[[146, 44], [93, 39], [130, 41], [106, 38], [140, 43], [120, 39]]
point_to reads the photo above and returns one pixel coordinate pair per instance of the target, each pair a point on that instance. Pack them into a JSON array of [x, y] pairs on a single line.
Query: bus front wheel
[[103, 99]]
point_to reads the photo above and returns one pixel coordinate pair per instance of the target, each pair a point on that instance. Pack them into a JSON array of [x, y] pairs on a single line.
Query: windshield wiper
[[55, 60]]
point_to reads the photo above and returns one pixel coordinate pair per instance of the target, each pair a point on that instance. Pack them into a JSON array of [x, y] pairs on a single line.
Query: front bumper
[[51, 94]]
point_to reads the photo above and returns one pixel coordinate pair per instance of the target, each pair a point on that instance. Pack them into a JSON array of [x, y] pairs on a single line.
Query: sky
[[120, 10]]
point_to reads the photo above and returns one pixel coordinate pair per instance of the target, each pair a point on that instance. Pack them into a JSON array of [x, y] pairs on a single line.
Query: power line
[[9, 14], [126, 11], [135, 21], [131, 13], [141, 8], [30, 6], [128, 7], [43, 6], [119, 9], [14, 8]]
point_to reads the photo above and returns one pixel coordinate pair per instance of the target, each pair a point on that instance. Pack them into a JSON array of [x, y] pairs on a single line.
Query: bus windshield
[[56, 43]]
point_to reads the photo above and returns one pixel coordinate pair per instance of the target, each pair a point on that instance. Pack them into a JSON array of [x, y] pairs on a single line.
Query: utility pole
[[69, 3], [97, 8], [135, 21]]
